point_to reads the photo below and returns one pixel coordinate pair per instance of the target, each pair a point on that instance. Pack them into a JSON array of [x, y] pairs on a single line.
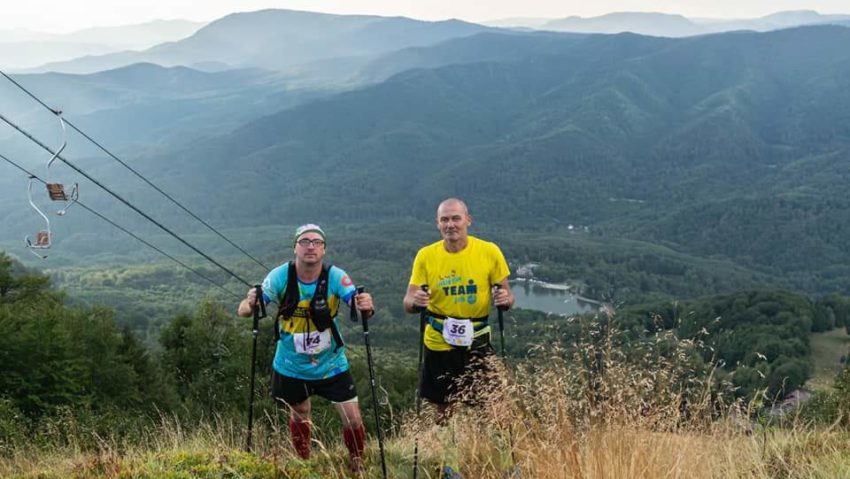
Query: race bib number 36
[[458, 332], [312, 343]]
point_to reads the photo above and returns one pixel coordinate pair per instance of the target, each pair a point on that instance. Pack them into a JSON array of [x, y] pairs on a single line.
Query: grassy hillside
[[611, 453], [584, 397], [827, 351], [548, 421]]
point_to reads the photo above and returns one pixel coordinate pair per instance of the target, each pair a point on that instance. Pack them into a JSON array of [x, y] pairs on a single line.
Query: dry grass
[[602, 410], [598, 410]]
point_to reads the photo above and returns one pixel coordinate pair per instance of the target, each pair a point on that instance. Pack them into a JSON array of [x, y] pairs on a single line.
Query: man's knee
[[349, 413], [301, 411]]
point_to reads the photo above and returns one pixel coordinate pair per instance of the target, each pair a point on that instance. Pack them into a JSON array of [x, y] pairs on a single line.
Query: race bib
[[458, 332], [312, 343]]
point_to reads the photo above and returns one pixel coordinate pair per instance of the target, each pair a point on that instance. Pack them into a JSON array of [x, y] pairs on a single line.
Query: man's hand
[[246, 306], [416, 299], [363, 303], [503, 298]]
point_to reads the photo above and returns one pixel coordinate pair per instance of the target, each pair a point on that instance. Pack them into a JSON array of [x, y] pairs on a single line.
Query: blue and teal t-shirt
[[302, 352]]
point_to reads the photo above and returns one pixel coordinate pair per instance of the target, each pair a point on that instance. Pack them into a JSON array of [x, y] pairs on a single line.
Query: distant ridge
[[23, 49], [669, 25], [656, 24], [135, 36], [281, 39]]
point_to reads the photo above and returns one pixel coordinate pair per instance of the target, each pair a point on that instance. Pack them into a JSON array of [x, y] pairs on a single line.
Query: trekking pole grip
[[503, 307], [359, 314], [420, 309], [259, 305]]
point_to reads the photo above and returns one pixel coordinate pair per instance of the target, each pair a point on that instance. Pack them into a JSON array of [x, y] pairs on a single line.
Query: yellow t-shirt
[[459, 282]]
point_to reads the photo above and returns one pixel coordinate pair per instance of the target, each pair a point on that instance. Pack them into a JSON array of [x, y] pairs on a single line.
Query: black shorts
[[292, 391], [462, 374]]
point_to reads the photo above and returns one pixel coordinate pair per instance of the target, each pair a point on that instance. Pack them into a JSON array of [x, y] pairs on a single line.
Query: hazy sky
[[69, 15]]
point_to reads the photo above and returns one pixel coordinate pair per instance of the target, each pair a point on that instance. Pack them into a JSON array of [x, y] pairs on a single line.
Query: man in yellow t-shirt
[[461, 273]]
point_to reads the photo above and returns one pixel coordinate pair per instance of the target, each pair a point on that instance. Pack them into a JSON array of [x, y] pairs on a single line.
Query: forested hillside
[[731, 146]]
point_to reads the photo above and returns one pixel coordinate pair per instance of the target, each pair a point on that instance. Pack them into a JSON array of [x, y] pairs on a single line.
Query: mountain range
[[732, 145], [280, 40], [323, 45]]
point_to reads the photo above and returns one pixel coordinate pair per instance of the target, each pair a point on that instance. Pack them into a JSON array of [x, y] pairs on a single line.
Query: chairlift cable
[[139, 175], [149, 245], [127, 203]]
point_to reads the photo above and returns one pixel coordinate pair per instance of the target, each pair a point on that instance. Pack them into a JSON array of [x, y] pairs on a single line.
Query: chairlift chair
[[43, 239], [56, 191]]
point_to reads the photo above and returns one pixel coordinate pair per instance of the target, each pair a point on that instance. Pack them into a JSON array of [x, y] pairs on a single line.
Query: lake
[[549, 300]]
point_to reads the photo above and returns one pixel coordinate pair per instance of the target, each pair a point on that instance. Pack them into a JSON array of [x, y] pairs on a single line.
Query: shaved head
[[452, 202], [453, 220]]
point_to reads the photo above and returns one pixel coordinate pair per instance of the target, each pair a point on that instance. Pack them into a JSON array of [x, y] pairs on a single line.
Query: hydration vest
[[319, 313]]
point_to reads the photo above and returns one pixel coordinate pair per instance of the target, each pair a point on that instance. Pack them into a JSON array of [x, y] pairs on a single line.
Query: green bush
[[12, 426], [830, 407]]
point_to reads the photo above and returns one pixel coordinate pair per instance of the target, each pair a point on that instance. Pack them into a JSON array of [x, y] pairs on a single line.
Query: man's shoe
[[449, 473], [356, 467]]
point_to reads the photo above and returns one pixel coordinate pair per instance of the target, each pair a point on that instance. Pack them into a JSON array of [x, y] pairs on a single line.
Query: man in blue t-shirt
[[310, 356]]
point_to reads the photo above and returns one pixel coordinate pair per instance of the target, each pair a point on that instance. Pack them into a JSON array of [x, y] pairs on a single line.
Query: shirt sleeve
[[275, 283], [341, 284], [500, 268], [419, 276]]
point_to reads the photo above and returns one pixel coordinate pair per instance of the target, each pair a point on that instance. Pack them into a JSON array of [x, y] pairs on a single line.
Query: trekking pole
[[259, 309], [423, 317], [501, 309], [372, 382]]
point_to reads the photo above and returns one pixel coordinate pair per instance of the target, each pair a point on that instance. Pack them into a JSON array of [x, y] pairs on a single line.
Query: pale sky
[[59, 16]]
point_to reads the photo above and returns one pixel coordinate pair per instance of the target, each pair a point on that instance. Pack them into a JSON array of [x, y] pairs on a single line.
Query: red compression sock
[[300, 433], [355, 440]]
